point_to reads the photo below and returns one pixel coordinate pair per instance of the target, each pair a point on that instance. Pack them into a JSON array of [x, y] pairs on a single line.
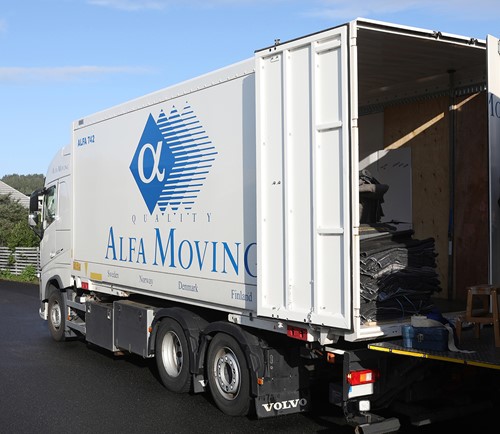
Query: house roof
[[14, 194]]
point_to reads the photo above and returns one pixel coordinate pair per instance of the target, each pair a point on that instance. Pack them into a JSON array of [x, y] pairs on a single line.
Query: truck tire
[[57, 316], [172, 356], [228, 375]]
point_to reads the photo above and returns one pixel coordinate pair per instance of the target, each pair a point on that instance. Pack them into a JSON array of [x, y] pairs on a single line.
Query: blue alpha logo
[[172, 160]]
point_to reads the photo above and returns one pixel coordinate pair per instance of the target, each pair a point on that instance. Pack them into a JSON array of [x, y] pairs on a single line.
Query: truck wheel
[[57, 316], [228, 375], [172, 356]]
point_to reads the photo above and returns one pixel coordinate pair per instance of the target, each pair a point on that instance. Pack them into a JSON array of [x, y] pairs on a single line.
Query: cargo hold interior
[[426, 167]]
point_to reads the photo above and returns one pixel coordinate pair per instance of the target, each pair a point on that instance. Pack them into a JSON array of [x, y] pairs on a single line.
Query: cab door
[[56, 240], [49, 214]]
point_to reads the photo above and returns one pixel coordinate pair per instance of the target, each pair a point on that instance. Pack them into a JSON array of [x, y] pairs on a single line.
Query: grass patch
[[29, 275]]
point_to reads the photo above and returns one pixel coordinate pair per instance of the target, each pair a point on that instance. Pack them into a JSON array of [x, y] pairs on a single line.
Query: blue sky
[[61, 60]]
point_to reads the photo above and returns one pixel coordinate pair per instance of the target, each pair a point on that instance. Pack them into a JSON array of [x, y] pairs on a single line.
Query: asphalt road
[[50, 387]]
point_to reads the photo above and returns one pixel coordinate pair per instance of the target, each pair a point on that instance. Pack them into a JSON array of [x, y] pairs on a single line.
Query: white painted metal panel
[[493, 53], [303, 191], [298, 188], [270, 174], [164, 190]]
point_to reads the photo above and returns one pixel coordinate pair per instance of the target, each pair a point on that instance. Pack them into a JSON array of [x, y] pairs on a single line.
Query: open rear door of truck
[[479, 352], [493, 47], [303, 191]]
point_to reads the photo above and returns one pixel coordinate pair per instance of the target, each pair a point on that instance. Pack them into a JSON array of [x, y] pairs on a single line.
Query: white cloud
[[332, 10], [3, 26], [350, 9], [130, 5], [65, 73], [342, 9], [135, 5]]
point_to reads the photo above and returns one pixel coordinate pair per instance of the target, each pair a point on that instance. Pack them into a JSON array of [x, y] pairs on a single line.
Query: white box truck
[[216, 225]]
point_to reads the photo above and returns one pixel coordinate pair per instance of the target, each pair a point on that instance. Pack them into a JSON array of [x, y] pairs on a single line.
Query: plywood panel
[[423, 126], [471, 193]]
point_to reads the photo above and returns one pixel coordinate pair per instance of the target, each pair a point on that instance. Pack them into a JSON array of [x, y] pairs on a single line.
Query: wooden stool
[[488, 314]]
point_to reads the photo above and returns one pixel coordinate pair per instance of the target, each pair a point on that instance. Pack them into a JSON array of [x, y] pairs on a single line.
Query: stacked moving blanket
[[398, 272], [398, 276]]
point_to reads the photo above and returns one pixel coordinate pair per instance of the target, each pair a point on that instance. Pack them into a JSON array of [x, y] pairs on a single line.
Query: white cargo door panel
[[303, 180], [493, 53]]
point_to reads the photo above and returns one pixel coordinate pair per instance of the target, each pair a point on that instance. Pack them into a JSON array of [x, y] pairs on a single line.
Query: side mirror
[[35, 202]]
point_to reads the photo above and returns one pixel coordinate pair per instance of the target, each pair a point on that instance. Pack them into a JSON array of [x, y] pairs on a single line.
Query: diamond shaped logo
[[172, 160]]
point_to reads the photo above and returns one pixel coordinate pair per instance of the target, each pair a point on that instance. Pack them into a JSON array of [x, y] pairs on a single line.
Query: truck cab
[[51, 219]]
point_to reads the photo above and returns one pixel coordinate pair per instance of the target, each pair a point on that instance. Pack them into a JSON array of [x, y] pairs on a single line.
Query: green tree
[[26, 184], [14, 228]]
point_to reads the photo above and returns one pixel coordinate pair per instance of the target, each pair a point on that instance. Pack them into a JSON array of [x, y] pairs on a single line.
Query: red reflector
[[366, 376], [297, 333], [85, 285]]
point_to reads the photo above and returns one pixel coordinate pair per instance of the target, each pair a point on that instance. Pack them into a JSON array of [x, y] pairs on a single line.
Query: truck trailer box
[[164, 189], [177, 193]]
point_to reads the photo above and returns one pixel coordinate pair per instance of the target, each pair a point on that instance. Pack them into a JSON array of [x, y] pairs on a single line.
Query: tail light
[[365, 376], [297, 333]]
